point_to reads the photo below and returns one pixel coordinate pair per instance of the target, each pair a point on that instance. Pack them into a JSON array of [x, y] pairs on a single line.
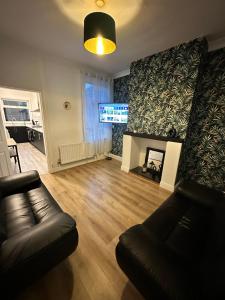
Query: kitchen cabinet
[[36, 138], [18, 133]]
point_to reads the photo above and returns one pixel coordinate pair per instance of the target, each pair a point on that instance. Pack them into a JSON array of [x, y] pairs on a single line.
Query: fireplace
[[153, 164], [160, 155]]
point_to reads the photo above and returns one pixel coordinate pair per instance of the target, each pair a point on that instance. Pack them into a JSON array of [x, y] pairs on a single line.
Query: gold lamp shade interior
[[99, 33]]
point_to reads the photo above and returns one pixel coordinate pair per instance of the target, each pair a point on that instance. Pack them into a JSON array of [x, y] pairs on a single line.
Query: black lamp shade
[[99, 33]]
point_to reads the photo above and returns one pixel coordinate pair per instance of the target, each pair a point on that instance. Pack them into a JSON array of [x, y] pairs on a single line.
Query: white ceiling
[[144, 27]]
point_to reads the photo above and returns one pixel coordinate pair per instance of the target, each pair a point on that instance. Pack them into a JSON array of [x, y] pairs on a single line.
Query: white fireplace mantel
[[134, 149]]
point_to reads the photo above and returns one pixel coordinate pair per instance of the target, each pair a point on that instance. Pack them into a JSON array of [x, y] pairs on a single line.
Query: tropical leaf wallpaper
[[120, 95], [161, 89], [203, 157], [185, 87]]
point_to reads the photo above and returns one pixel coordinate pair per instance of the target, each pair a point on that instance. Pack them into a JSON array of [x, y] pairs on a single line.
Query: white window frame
[[28, 107]]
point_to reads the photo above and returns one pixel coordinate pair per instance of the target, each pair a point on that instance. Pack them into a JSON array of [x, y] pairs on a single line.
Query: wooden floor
[[105, 202], [30, 159]]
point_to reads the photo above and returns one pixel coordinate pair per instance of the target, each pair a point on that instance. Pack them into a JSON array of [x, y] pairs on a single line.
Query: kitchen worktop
[[15, 124], [39, 129]]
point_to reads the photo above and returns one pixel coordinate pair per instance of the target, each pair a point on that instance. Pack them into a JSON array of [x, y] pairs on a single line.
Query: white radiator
[[75, 152]]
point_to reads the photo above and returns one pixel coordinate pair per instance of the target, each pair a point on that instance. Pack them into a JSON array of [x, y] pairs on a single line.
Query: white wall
[[144, 143], [58, 80]]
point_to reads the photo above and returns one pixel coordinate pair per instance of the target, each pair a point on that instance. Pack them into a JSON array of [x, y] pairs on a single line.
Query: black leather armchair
[[179, 251], [35, 234]]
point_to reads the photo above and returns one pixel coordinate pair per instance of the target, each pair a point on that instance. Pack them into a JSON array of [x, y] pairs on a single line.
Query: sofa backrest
[[184, 222]]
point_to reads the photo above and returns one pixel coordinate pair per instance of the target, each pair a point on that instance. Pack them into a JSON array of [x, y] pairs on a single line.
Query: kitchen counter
[[15, 124], [39, 129]]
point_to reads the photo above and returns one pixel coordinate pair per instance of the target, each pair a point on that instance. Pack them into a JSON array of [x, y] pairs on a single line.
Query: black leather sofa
[[179, 251], [35, 234]]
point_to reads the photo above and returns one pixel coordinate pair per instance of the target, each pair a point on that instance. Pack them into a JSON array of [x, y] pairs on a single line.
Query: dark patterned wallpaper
[[203, 157], [161, 89], [120, 95]]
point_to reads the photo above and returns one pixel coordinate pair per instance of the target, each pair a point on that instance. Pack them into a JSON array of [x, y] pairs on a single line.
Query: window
[[16, 110], [96, 90]]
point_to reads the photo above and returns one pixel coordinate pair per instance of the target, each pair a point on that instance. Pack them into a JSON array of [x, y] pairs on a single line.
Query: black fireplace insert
[[153, 166]]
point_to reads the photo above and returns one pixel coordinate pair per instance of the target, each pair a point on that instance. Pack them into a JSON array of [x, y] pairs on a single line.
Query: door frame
[[44, 119], [6, 150]]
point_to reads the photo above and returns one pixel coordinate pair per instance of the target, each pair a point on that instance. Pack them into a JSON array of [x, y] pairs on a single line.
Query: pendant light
[[99, 32]]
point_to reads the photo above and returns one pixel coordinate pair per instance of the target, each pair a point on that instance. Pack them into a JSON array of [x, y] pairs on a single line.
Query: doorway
[[22, 119]]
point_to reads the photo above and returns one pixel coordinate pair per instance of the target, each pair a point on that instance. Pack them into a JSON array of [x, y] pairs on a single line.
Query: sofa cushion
[[188, 237], [17, 214], [181, 224], [42, 204], [153, 268], [163, 221], [25, 210], [19, 183]]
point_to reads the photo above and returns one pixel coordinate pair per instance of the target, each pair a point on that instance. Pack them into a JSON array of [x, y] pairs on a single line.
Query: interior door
[[5, 163]]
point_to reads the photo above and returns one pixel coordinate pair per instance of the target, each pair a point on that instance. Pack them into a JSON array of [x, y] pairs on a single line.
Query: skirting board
[[75, 164], [117, 157], [166, 186]]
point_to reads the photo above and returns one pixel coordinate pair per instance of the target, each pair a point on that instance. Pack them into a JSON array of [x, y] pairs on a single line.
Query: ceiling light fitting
[[100, 3], [99, 33]]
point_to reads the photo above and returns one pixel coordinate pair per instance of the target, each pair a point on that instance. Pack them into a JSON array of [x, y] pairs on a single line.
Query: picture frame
[[154, 159]]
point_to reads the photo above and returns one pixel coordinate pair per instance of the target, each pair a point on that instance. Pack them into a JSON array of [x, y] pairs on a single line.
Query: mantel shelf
[[154, 137]]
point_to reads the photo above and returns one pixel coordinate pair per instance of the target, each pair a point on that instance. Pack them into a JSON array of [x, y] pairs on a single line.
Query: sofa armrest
[[199, 193], [38, 245], [19, 183]]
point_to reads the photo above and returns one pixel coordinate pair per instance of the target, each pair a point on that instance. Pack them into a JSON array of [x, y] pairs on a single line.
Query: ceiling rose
[[122, 11], [100, 3]]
